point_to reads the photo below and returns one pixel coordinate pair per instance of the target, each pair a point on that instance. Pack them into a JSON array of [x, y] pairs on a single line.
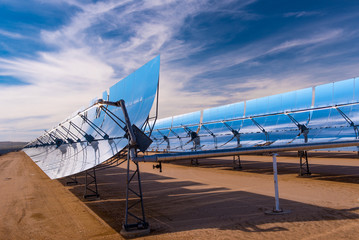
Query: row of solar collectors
[[75, 145], [328, 113], [88, 138]]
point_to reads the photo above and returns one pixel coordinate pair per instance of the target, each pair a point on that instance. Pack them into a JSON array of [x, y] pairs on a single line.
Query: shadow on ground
[[346, 174], [173, 206]]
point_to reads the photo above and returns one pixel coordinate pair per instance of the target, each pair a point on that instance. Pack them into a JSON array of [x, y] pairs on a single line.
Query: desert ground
[[209, 201]]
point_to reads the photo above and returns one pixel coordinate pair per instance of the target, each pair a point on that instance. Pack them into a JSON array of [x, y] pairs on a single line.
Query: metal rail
[[272, 114], [244, 151]]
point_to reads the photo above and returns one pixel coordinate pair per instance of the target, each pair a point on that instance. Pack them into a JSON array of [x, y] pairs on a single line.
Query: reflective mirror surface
[[92, 136]]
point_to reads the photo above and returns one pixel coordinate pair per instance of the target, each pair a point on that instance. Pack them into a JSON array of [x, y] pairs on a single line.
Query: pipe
[[244, 151]]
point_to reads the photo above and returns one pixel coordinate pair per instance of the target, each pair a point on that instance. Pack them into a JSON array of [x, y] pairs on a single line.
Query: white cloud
[[317, 38], [302, 14], [11, 34], [58, 84], [86, 62]]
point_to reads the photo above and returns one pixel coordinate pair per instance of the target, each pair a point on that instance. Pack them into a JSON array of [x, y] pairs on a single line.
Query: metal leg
[[72, 180], [91, 179], [276, 209], [235, 166], [194, 162], [139, 223], [303, 166]]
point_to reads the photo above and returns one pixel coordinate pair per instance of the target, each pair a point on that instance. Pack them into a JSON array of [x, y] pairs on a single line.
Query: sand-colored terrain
[[210, 201]]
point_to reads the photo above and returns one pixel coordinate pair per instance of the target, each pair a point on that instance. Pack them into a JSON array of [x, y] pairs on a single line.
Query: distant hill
[[6, 147]]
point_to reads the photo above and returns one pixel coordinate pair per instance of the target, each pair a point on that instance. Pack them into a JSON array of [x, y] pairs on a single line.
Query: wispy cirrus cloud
[[83, 61], [11, 34], [303, 14], [222, 51], [321, 38]]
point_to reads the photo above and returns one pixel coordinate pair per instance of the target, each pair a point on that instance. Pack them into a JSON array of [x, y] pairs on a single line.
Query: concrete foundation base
[[276, 212]]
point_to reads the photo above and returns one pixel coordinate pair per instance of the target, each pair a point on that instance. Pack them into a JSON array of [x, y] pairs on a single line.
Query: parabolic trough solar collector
[[322, 114], [90, 136]]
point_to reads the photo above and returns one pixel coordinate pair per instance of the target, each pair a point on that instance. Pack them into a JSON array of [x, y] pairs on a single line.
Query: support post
[[303, 166], [235, 166], [140, 227], [276, 210], [91, 193], [194, 162]]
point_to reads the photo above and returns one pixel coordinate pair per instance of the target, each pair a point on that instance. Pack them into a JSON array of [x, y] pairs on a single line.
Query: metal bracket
[[235, 133], [89, 138], [73, 136], [303, 129], [195, 138], [179, 138], [349, 121], [261, 128], [212, 134], [158, 166], [114, 117], [165, 139], [95, 127]]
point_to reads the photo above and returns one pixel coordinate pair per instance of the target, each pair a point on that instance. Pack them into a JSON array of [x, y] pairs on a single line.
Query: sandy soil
[[210, 201], [34, 207]]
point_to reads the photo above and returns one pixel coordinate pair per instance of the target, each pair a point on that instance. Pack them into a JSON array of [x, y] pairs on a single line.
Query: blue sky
[[57, 55]]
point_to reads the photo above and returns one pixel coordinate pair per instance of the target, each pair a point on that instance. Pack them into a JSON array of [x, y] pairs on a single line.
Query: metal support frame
[[235, 133], [73, 135], [303, 129], [165, 139], [349, 121], [194, 162], [195, 138], [94, 127], [72, 180], [89, 138], [136, 199], [212, 134], [38, 140], [140, 225], [262, 129], [43, 140], [66, 138], [235, 158], [54, 139], [179, 138], [303, 165], [113, 116], [90, 179]]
